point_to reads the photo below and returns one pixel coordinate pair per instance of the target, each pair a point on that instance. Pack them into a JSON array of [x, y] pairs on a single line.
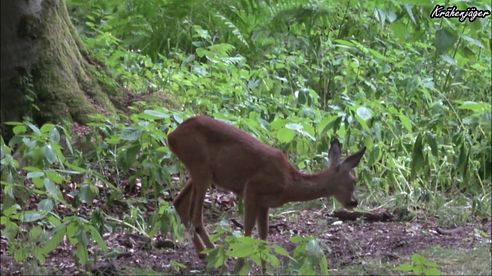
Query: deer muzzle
[[352, 203]]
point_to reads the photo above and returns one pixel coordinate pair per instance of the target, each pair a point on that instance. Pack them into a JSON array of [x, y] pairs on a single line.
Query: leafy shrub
[[44, 180], [419, 265], [307, 258]]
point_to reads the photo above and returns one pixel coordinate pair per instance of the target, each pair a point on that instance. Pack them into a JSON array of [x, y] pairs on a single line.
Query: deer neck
[[311, 186]]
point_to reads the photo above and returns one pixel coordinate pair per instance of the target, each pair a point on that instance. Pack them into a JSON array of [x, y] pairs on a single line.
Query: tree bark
[[46, 74]]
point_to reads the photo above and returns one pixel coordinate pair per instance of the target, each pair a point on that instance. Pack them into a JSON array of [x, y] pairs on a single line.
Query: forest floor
[[352, 247]]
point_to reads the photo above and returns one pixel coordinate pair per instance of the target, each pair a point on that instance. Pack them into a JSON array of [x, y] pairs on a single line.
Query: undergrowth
[[295, 74]]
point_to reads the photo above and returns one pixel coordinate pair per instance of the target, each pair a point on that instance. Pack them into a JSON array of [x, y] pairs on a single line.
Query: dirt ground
[[344, 243]]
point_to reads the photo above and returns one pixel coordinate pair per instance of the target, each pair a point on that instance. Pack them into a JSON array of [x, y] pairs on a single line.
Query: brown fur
[[213, 151]]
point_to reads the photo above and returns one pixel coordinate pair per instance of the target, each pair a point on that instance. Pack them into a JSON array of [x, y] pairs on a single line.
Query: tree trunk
[[46, 73]]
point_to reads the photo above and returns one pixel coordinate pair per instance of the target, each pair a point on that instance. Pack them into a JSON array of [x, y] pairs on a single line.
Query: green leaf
[[97, 237], [418, 259], [55, 177], [405, 121], [380, 16], [39, 255], [38, 182], [34, 174], [242, 248], [34, 128], [477, 107], [75, 169], [333, 124], [405, 267], [81, 253], [47, 128], [54, 220], [35, 233], [72, 229], [178, 118], [444, 40], [408, 9], [323, 266], [285, 135], [306, 268], [85, 194], [31, 169], [399, 30], [31, 216], [364, 112], [12, 210], [433, 271], [448, 59], [20, 129], [344, 42], [200, 52], [45, 205], [10, 231], [271, 259], [156, 114], [362, 122], [417, 156], [245, 269], [21, 254], [313, 248], [54, 135], [432, 142], [14, 123], [293, 126], [130, 134], [113, 140], [296, 239], [51, 188], [280, 250], [49, 154], [462, 161], [472, 41]]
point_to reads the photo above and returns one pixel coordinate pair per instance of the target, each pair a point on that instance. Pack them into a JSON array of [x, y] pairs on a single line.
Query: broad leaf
[[444, 40], [364, 112]]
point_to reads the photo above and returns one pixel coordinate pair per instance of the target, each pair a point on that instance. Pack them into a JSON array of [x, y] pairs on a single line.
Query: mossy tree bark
[[46, 74]]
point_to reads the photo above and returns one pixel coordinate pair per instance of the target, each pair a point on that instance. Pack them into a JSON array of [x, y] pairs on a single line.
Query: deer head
[[341, 175]]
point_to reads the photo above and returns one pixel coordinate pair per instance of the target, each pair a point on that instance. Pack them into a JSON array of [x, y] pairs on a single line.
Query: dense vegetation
[[414, 90]]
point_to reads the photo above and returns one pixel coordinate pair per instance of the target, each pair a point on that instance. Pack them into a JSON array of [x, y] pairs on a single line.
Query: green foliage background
[[295, 74]]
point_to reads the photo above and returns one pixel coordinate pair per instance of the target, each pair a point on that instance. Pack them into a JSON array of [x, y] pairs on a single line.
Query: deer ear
[[352, 160], [335, 152]]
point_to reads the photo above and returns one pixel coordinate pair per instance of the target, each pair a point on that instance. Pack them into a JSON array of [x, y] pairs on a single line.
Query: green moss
[[66, 84]]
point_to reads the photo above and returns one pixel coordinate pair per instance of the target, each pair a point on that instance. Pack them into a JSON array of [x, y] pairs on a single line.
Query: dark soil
[[344, 243]]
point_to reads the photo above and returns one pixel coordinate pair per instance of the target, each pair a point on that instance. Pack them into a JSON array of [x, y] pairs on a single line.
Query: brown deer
[[213, 151]]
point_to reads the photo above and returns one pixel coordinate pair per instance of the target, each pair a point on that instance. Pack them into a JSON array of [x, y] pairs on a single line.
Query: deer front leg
[[263, 229], [250, 214], [263, 222]]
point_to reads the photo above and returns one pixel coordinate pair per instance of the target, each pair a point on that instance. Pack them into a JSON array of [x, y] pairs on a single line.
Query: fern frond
[[234, 29]]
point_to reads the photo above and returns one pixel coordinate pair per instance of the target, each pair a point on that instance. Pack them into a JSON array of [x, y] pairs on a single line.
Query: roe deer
[[213, 151]]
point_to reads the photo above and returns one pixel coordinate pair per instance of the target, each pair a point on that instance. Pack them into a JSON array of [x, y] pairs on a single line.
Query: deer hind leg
[[201, 181], [182, 203], [184, 206]]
